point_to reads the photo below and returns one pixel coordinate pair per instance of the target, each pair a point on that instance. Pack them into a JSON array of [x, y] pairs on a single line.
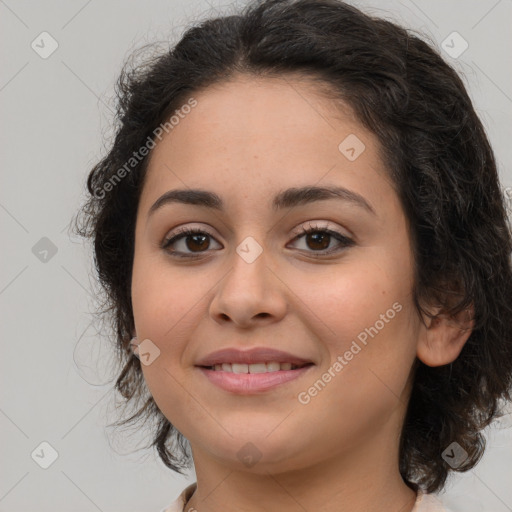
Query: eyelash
[[183, 233]]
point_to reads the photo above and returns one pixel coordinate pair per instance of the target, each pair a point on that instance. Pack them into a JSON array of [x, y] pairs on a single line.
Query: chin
[[259, 453]]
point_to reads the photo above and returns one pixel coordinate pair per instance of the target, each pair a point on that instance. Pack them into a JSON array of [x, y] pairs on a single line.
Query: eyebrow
[[288, 198]]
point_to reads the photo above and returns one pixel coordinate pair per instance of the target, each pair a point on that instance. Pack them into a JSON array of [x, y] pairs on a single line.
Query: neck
[[364, 478]]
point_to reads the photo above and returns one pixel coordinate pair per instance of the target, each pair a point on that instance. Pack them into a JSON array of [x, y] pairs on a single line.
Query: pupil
[[323, 237], [196, 237]]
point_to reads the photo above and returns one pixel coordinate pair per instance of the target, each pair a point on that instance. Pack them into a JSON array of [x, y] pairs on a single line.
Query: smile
[[273, 366], [247, 379]]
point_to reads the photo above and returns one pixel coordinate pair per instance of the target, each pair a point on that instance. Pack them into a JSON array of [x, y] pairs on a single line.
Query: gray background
[[56, 112]]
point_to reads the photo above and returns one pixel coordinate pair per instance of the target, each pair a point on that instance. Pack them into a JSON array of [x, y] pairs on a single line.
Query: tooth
[[273, 366], [240, 368], [258, 368]]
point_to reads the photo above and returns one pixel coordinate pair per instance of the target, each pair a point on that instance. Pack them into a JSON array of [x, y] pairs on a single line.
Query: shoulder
[[179, 503]]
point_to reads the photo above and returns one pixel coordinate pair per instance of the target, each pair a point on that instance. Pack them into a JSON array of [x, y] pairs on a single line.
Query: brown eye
[[199, 242], [318, 240], [188, 243]]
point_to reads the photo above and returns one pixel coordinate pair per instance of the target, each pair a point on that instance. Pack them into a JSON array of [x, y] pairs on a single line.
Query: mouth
[[255, 378], [263, 367], [252, 371]]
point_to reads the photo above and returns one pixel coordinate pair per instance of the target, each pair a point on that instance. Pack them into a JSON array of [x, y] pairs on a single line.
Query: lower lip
[[251, 383]]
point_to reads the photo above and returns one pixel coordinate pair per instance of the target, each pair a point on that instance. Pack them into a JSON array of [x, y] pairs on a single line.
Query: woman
[[306, 255]]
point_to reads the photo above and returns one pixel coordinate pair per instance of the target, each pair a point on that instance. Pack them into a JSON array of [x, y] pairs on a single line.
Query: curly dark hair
[[440, 162]]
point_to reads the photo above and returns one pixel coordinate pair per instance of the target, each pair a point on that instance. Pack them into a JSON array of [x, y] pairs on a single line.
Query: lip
[[252, 383], [251, 356]]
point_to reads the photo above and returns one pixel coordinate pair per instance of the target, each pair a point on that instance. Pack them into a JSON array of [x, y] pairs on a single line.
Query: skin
[[246, 140]]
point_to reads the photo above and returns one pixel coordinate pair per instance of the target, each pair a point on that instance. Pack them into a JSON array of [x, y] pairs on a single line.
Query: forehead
[[265, 110], [260, 134]]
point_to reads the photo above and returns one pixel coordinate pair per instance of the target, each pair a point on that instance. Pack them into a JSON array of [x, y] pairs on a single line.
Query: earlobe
[[443, 337]]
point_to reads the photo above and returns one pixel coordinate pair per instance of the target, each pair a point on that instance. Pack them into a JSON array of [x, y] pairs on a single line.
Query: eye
[[192, 242], [319, 239], [194, 239]]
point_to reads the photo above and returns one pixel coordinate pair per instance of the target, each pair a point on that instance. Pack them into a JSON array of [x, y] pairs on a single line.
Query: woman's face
[[340, 301]]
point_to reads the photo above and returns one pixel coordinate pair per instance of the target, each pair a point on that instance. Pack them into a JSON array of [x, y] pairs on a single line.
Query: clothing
[[179, 504], [424, 502], [429, 503]]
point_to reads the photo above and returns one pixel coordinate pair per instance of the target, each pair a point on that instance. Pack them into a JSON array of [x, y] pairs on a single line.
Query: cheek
[[365, 372], [364, 315], [167, 304], [161, 308], [355, 296], [163, 299]]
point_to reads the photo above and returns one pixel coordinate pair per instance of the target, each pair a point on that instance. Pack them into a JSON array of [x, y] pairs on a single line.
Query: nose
[[250, 294]]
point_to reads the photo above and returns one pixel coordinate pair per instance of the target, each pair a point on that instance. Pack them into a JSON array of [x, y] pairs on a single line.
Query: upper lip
[[250, 356]]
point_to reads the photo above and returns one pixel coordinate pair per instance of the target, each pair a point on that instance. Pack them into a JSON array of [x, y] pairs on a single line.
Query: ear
[[442, 337]]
